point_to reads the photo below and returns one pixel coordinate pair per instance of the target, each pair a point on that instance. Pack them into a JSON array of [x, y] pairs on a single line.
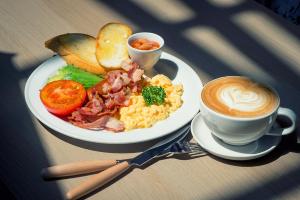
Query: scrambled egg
[[139, 115]]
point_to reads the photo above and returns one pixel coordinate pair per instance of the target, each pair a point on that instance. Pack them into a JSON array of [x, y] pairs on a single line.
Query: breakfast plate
[[203, 135], [181, 74]]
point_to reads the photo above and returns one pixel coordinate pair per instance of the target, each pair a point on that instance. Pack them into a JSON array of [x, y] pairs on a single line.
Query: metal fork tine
[[193, 150], [197, 155], [195, 147], [196, 151]]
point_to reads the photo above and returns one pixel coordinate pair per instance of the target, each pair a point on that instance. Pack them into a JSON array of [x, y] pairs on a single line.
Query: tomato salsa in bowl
[[144, 44]]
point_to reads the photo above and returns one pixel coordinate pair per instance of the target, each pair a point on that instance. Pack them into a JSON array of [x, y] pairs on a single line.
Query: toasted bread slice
[[77, 49], [111, 48]]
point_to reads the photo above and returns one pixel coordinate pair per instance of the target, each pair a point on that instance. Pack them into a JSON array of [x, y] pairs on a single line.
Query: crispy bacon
[[104, 122], [118, 97], [117, 84], [96, 124], [102, 88], [126, 65], [125, 78], [134, 73], [76, 117], [136, 87], [114, 124], [137, 75], [106, 97]]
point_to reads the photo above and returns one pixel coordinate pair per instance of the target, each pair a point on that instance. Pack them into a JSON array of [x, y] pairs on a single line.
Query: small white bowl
[[145, 58]]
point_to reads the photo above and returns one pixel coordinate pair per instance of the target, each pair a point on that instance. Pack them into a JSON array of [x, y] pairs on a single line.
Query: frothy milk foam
[[239, 96]]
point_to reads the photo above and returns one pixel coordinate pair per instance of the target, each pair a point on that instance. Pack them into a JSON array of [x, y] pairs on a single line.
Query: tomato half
[[62, 97]]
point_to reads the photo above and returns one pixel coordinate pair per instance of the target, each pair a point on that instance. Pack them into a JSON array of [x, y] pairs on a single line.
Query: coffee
[[239, 96]]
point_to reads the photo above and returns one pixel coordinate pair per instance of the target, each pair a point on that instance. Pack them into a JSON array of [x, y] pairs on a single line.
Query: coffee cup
[[239, 110]]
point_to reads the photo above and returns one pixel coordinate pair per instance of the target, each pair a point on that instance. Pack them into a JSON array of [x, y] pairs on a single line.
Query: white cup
[[241, 130], [146, 59]]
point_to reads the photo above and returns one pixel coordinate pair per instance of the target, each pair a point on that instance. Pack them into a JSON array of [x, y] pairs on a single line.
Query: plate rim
[[54, 127]]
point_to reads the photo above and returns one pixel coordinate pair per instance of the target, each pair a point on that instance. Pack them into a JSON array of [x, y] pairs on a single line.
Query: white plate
[[203, 135], [185, 75]]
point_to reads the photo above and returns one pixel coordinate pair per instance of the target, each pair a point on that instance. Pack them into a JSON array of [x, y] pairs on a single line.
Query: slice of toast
[[77, 49], [111, 48]]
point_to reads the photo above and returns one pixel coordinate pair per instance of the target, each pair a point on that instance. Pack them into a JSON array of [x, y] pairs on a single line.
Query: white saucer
[[217, 147]]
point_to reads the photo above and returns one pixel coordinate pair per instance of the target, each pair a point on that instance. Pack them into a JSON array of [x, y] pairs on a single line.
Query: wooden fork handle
[[97, 180], [76, 168]]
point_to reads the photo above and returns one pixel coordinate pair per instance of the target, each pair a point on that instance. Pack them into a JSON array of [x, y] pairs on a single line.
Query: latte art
[[239, 96]]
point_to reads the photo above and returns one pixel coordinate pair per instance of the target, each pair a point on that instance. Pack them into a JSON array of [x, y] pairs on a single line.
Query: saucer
[[203, 135]]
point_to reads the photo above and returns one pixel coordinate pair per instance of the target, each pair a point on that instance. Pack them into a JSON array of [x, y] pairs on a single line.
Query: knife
[[85, 167], [111, 173]]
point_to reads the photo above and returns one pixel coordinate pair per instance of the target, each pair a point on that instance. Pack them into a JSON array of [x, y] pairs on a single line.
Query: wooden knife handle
[[97, 180], [76, 168]]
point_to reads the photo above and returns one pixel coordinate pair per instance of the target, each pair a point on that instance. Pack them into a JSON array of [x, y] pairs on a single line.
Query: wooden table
[[215, 37]]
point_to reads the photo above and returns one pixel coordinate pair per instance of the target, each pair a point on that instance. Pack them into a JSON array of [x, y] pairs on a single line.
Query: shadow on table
[[206, 59], [115, 148], [166, 67], [111, 148], [22, 154], [220, 19], [206, 15]]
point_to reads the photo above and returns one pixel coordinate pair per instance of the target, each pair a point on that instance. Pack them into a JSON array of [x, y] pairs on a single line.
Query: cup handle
[[292, 116], [289, 114]]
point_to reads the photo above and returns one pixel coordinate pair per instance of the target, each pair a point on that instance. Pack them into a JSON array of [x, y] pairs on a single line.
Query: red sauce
[[144, 44]]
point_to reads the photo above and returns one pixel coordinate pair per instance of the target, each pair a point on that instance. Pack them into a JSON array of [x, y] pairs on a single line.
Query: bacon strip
[[97, 124], [105, 122], [114, 124], [106, 97]]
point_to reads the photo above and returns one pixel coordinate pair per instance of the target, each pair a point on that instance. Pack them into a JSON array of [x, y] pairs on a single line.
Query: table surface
[[215, 37]]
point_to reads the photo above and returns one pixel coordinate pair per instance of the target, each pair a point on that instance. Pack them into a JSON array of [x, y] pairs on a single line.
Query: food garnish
[[77, 49], [71, 72], [153, 95], [62, 97], [144, 44]]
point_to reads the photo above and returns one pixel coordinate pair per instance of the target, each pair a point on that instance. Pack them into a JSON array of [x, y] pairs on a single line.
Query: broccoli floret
[[153, 95]]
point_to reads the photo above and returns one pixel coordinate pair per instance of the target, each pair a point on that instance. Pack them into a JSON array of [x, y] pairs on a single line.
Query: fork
[[184, 147], [84, 167]]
